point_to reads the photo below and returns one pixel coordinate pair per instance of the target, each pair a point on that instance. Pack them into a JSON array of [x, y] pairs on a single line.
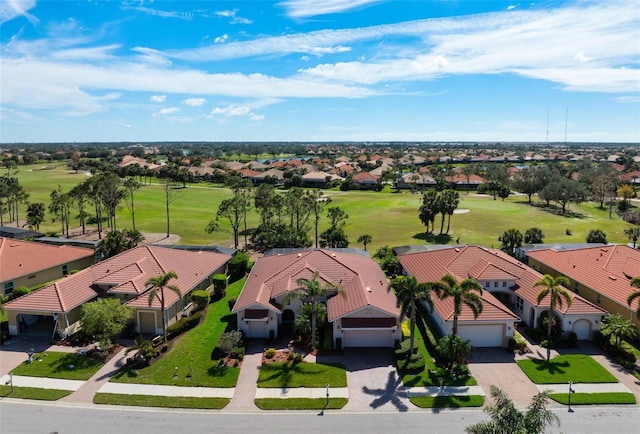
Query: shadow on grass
[[552, 367], [282, 372], [433, 238], [556, 210], [79, 363], [217, 370]]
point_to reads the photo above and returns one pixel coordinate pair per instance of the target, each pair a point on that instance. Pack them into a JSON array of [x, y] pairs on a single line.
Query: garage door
[[367, 338], [482, 335], [147, 322], [582, 329], [257, 329]]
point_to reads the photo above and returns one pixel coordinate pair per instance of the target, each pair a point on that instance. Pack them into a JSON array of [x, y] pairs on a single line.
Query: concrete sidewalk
[[585, 388], [301, 392], [159, 390], [43, 383], [442, 391]]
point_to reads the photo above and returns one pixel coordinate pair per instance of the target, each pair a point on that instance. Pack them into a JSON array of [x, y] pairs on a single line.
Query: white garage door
[[582, 328], [367, 338], [257, 329], [482, 335]]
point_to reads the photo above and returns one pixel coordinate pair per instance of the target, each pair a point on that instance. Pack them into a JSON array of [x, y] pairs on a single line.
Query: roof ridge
[[151, 252], [59, 296]]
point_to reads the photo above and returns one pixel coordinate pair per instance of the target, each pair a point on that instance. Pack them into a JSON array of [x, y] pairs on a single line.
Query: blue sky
[[319, 70]]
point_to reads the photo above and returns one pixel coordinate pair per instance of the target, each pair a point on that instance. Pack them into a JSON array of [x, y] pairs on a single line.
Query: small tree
[[596, 236], [635, 282], [105, 319], [230, 340], [453, 352], [364, 239], [144, 350], [158, 285], [511, 239], [633, 233], [533, 236], [618, 327]]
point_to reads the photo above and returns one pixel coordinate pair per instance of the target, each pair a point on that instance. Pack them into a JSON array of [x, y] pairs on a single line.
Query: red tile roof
[[607, 270], [483, 264], [124, 273], [22, 258], [359, 276]]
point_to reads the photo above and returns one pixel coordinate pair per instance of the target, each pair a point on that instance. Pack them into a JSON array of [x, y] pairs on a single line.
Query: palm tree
[[633, 233], [619, 327], [635, 282], [506, 418], [451, 202], [467, 293], [365, 239], [410, 294], [552, 286], [312, 289], [158, 285]]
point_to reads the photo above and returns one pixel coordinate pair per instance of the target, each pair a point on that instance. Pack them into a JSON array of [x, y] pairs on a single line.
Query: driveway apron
[[245, 391]]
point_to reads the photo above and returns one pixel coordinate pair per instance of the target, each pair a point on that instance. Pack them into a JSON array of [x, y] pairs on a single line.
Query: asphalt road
[[20, 417]]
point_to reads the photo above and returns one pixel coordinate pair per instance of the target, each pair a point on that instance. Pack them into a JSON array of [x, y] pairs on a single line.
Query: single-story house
[[509, 294], [18, 233], [602, 273], [366, 316], [56, 307], [26, 263]]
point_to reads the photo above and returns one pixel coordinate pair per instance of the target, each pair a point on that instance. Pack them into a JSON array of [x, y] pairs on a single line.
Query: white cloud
[[158, 98], [159, 13], [166, 111], [308, 8], [10, 9], [511, 7], [235, 111], [235, 19], [194, 102], [627, 99], [220, 39]]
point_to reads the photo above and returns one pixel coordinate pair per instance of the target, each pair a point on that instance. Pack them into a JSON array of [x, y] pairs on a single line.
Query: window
[[598, 299], [495, 284], [487, 285], [504, 284], [519, 303], [65, 270], [576, 288], [8, 287]]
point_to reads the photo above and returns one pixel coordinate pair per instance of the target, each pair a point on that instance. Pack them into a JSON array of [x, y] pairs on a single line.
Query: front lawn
[[300, 403], [33, 393], [160, 401], [53, 364], [191, 354], [594, 398], [578, 368], [447, 401], [303, 374]]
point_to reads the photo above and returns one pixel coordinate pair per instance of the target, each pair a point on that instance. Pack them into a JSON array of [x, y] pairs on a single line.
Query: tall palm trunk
[[549, 329], [314, 322], [164, 317]]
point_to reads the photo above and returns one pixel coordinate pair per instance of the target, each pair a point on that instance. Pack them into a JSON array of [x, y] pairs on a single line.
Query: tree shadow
[[430, 237], [552, 367], [557, 210], [388, 394], [217, 370], [282, 372]]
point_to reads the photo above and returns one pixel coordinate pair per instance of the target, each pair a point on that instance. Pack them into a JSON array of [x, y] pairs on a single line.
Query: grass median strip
[[447, 401], [594, 398], [288, 374], [578, 368], [53, 364], [160, 401], [33, 393], [300, 403]]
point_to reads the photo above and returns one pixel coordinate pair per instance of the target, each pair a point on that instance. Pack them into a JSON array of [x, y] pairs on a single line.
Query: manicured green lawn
[[54, 364], [447, 401], [300, 403], [594, 398], [33, 393], [562, 369], [303, 374], [396, 221], [192, 353], [160, 401]]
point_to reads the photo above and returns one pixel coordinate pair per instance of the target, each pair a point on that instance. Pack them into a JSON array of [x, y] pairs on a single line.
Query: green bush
[[298, 358], [19, 292], [291, 355], [219, 284], [200, 298], [231, 303], [269, 353], [414, 365], [238, 266], [512, 345], [183, 324], [238, 353]]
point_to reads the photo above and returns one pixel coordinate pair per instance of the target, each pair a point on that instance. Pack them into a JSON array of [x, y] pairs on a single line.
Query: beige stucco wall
[[49, 274]]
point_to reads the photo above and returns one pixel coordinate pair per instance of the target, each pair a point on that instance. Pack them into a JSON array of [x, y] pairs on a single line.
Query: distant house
[[318, 179], [276, 174], [366, 316], [25, 263], [55, 308], [365, 181], [18, 233], [509, 293], [601, 274]]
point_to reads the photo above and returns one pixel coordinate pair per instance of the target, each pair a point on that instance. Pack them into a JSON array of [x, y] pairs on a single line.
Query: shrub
[[298, 358], [200, 298], [238, 353], [270, 353], [183, 324], [236, 364], [219, 284], [414, 365], [291, 355], [403, 351], [19, 292], [231, 303], [513, 345], [238, 266], [573, 339], [164, 347]]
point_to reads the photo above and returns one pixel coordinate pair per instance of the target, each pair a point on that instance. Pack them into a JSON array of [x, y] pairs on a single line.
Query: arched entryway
[[288, 316]]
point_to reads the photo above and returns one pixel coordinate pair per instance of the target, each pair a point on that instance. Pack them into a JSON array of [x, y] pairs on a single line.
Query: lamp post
[[571, 390], [10, 381]]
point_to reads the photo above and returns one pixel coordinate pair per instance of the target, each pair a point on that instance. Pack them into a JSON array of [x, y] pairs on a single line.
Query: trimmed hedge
[[238, 266], [219, 284], [183, 324], [200, 298]]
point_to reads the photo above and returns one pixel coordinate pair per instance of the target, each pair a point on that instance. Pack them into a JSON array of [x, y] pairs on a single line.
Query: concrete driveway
[[496, 366], [372, 380]]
